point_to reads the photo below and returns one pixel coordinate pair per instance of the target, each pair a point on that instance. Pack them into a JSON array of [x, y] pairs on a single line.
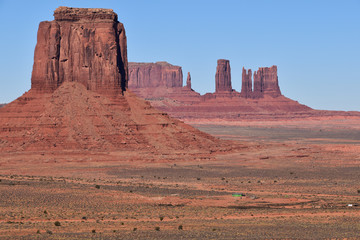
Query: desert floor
[[293, 181]]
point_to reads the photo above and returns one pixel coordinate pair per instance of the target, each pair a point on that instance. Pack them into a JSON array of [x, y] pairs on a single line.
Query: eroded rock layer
[[74, 118], [223, 76], [78, 100], [150, 75], [81, 45]]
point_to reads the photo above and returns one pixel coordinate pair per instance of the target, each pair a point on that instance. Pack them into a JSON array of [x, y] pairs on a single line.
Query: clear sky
[[314, 43]]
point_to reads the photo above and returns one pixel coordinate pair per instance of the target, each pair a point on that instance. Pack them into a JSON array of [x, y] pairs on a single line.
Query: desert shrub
[[48, 232], [122, 223], [57, 223], [157, 228], [45, 212], [134, 229], [161, 218], [358, 191], [180, 227], [93, 231], [97, 186], [38, 231]]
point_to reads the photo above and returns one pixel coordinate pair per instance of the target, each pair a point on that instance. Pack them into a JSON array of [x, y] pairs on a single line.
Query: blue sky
[[315, 44]]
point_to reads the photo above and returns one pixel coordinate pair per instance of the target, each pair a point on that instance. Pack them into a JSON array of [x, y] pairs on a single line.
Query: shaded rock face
[[188, 81], [265, 83], [223, 76], [81, 45], [246, 86], [159, 74]]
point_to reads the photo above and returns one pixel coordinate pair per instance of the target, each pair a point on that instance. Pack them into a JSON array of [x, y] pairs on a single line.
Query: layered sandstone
[[81, 45], [80, 66], [151, 75], [266, 82], [246, 86], [223, 76]]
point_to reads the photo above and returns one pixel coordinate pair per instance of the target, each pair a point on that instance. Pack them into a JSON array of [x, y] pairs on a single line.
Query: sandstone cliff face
[[266, 82], [188, 81], [81, 45], [159, 74], [246, 86], [223, 76]]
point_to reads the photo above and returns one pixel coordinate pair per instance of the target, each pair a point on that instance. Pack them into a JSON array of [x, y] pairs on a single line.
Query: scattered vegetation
[[57, 223], [97, 186], [180, 227], [134, 229], [161, 218], [157, 228], [93, 231]]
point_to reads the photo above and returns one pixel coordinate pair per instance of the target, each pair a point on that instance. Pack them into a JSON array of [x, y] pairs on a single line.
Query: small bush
[[161, 218], [134, 229], [97, 186], [84, 218], [157, 228], [180, 227], [45, 212], [57, 223], [48, 232], [358, 191], [38, 231], [122, 223], [93, 231]]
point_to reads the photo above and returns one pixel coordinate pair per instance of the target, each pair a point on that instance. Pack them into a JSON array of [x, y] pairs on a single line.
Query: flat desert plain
[[285, 180]]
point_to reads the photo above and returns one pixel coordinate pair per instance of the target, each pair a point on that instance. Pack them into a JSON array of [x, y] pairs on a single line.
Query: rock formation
[[2, 105], [223, 76], [188, 81], [80, 66], [266, 82], [246, 86], [81, 45], [150, 75]]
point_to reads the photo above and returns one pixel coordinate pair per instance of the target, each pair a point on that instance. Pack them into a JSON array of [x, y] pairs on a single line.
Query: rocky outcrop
[[150, 75], [2, 105], [79, 60], [266, 82], [85, 45], [188, 81], [246, 86], [223, 76]]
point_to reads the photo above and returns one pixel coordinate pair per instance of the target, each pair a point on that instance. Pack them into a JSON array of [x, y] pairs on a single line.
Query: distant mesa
[[79, 100], [260, 97]]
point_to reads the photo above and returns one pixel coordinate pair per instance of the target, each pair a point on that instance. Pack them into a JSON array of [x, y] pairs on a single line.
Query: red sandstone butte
[[223, 76], [81, 45], [266, 82], [78, 99], [149, 75]]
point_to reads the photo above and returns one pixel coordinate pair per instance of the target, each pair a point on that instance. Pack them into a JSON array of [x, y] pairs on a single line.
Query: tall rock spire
[[223, 76], [188, 81], [246, 86]]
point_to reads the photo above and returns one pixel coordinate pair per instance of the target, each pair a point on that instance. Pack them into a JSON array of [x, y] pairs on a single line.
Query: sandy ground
[[295, 183]]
